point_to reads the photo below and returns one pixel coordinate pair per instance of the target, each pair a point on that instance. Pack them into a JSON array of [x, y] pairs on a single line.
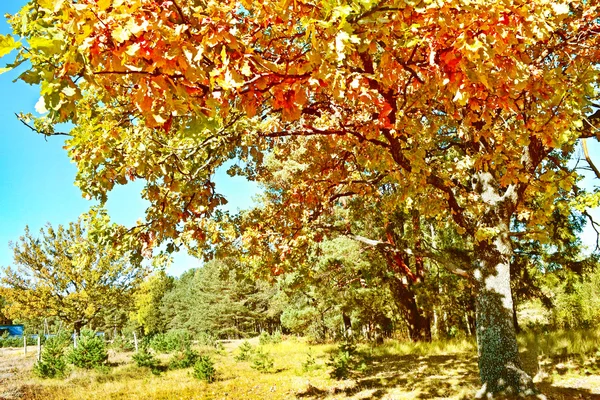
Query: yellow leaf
[[7, 44], [460, 98], [560, 9], [104, 4], [121, 34]]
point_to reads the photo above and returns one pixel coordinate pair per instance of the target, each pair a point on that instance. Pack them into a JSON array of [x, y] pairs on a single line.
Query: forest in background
[[343, 286]]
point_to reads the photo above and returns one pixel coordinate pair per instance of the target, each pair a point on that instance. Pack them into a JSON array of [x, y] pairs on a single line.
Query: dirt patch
[[15, 367]]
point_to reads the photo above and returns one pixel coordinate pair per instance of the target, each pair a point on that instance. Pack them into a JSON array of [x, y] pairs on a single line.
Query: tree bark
[[419, 324], [499, 365]]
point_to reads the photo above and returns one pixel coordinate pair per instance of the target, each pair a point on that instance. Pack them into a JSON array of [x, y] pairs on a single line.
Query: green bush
[[144, 359], [310, 364], [121, 343], [245, 351], [204, 369], [265, 338], [206, 339], [90, 351], [184, 359], [53, 363], [10, 341], [262, 361], [276, 337], [171, 341], [344, 361]]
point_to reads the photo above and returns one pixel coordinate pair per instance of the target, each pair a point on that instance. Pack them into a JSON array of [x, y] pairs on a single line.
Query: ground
[[565, 368]]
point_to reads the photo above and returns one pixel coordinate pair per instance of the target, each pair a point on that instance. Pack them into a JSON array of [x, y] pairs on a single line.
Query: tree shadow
[[426, 377]]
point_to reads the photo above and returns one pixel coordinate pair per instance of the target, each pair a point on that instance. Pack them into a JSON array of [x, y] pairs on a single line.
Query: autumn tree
[[71, 273], [147, 302], [463, 107]]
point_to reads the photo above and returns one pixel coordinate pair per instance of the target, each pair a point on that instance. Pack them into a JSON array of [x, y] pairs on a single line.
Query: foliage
[[122, 343], [204, 369], [90, 351], [3, 318], [342, 362], [10, 341], [262, 361], [53, 362], [464, 112], [576, 303], [145, 359], [221, 301], [185, 358], [177, 339], [245, 351], [147, 303], [70, 272], [310, 364], [266, 338]]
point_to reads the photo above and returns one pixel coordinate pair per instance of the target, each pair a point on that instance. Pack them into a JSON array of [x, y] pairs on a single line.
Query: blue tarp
[[13, 330]]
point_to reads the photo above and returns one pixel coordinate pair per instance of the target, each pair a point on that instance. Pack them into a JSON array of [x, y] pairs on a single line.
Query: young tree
[[147, 302], [72, 273], [465, 107]]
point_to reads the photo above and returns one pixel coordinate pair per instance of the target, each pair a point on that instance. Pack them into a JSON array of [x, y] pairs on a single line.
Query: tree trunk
[[347, 325], [419, 325], [499, 365], [77, 325]]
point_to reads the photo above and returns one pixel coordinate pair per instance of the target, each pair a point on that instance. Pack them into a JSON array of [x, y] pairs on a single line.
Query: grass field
[[566, 366]]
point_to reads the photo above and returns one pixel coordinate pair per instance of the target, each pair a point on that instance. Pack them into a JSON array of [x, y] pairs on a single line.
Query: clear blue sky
[[36, 176]]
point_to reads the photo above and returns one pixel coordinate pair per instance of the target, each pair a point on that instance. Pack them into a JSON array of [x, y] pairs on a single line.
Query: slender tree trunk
[[499, 365], [347, 324]]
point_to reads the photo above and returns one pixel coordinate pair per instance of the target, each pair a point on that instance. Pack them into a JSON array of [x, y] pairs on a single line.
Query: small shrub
[[53, 363], [276, 337], [264, 338], [204, 369], [219, 348], [345, 360], [144, 359], [262, 361], [171, 341], [310, 364], [10, 341], [184, 359], [245, 351], [206, 339], [121, 343], [90, 351]]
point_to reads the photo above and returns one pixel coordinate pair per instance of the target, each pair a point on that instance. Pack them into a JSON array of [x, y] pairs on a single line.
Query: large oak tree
[[465, 107]]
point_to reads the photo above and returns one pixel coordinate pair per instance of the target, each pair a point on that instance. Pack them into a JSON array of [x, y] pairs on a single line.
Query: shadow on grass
[[427, 377]]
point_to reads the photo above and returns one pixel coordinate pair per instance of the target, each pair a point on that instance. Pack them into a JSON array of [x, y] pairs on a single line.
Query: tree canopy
[[70, 273], [464, 111]]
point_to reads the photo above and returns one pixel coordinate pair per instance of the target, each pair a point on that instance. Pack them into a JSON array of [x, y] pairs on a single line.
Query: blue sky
[[36, 176]]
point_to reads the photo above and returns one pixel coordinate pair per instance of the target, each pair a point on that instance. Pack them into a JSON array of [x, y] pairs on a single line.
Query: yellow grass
[[395, 370]]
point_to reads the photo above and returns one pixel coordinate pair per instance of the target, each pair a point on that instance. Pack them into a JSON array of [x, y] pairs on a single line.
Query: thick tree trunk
[[419, 325], [499, 364]]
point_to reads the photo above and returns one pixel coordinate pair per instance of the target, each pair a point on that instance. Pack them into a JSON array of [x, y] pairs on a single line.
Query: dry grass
[[396, 370]]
